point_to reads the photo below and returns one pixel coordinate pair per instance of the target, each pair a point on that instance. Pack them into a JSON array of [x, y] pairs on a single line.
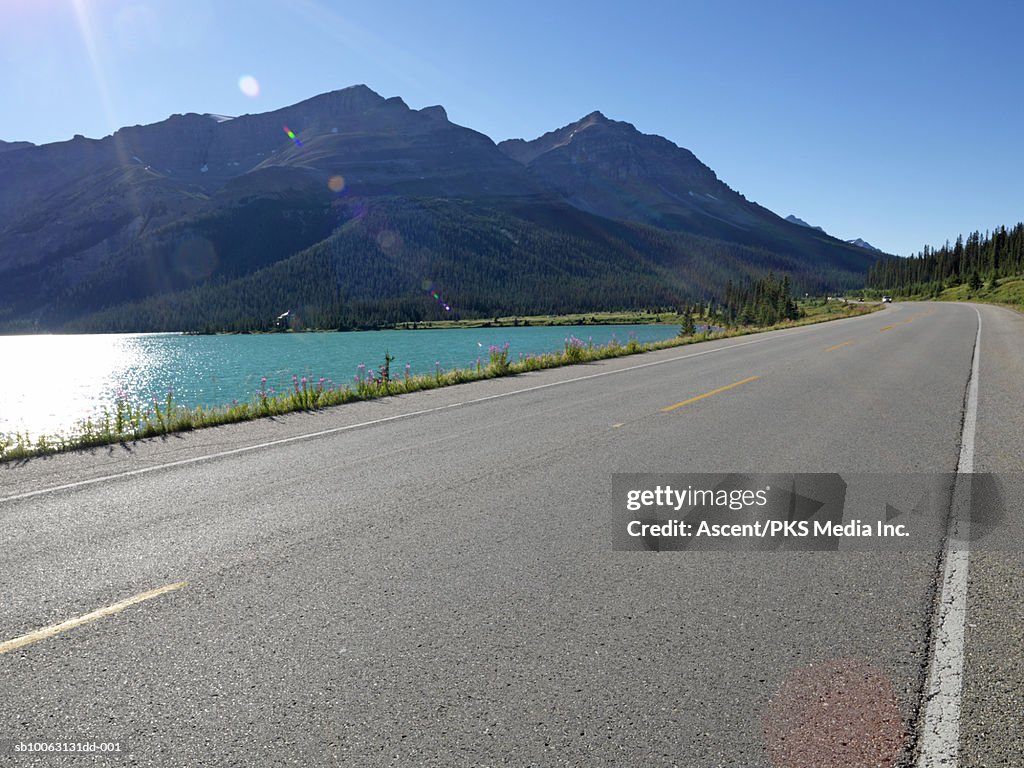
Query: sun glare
[[37, 392], [85, 29]]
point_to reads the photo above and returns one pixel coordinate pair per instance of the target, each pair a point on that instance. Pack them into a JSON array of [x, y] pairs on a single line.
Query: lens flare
[[336, 183], [390, 242], [441, 302], [195, 258], [249, 85], [291, 135]]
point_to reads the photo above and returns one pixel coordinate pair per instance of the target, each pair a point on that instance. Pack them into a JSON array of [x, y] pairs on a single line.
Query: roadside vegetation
[[125, 422], [1008, 291], [987, 268], [1004, 291]]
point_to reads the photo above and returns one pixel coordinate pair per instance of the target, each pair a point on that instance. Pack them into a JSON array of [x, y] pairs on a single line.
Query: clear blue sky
[[898, 122]]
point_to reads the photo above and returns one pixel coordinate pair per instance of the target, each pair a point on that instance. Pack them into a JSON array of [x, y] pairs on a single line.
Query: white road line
[[335, 430], [940, 728]]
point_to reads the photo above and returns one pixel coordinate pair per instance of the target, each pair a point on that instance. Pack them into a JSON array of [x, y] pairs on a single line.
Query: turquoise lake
[[48, 383]]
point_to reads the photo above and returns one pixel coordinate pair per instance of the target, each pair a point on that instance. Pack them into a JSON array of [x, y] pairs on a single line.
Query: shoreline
[[129, 424]]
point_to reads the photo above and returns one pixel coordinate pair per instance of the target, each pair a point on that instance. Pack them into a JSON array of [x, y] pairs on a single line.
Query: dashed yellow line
[[56, 629], [908, 320], [837, 346], [708, 394]]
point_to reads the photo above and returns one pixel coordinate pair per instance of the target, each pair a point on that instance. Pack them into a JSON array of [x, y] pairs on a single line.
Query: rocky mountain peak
[[801, 223], [861, 243], [352, 100], [610, 168], [594, 118], [592, 124], [435, 112]]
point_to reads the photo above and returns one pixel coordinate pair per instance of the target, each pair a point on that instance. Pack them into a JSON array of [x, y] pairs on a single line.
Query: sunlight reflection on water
[[50, 383]]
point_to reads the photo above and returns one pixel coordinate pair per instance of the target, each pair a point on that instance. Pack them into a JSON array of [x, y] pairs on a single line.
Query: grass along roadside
[[1005, 292], [127, 423]]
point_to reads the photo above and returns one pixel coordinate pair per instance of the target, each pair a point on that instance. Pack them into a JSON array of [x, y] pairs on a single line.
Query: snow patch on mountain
[[794, 220], [864, 244]]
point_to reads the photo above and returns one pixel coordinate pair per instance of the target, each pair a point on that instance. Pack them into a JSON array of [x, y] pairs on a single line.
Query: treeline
[[973, 260], [759, 302], [709, 264]]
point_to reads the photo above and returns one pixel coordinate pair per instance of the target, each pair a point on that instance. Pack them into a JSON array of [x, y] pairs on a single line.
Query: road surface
[[429, 579]]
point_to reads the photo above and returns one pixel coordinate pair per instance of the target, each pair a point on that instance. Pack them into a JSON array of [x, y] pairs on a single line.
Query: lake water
[[49, 383]]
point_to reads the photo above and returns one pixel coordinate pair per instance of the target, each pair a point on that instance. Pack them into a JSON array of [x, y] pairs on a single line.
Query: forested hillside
[[371, 213], [386, 264], [974, 261]]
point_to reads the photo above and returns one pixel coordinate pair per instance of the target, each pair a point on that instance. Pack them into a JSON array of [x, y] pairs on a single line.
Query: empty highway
[[430, 579]]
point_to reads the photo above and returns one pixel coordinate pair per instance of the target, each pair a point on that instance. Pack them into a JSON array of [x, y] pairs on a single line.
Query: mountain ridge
[[90, 225], [856, 241], [611, 169]]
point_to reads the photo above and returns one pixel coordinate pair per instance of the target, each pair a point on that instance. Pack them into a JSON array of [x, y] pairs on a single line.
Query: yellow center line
[[837, 346], [56, 629], [708, 394], [901, 322], [890, 327]]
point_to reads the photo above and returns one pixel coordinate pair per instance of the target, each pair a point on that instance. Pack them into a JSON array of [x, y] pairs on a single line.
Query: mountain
[[160, 207], [8, 146], [857, 242], [864, 244], [794, 220], [611, 169], [163, 226]]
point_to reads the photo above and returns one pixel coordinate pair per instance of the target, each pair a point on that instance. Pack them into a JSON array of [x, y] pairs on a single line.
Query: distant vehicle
[[887, 299]]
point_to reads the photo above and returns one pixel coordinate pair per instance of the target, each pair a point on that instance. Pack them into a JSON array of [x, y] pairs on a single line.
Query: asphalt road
[[429, 580]]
